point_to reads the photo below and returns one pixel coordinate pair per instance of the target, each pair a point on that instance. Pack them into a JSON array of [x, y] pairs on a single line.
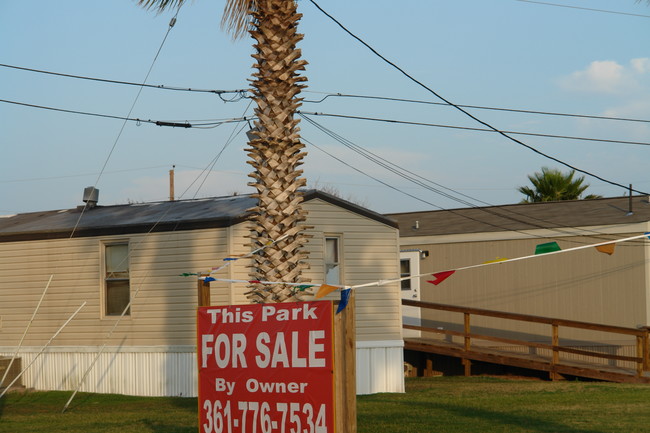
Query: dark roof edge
[[337, 201], [530, 205], [124, 230]]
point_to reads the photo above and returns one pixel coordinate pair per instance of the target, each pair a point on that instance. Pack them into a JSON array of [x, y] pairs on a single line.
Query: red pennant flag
[[440, 277]]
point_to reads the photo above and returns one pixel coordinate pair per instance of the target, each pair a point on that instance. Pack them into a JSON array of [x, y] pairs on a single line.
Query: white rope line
[[101, 350], [20, 344], [500, 262], [43, 349], [234, 259], [395, 280]]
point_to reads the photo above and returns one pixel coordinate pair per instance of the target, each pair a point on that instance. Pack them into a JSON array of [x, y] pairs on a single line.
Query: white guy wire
[[43, 349], [20, 344]]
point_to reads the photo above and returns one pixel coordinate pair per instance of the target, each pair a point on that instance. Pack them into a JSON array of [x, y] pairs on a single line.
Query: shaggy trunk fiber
[[277, 152]]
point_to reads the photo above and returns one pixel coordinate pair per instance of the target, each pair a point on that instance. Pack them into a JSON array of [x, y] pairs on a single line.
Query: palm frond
[[160, 5], [237, 17]]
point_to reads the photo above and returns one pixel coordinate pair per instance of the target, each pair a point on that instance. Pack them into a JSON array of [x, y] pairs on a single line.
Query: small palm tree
[[553, 185], [276, 152]]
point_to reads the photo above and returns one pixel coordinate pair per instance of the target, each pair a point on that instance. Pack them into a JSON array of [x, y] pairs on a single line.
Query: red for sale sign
[[266, 368]]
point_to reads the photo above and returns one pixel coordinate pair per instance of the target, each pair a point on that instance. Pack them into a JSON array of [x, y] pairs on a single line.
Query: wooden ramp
[[553, 358]]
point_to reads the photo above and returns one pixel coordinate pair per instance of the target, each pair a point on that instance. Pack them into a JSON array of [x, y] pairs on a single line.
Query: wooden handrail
[[642, 358], [525, 317]]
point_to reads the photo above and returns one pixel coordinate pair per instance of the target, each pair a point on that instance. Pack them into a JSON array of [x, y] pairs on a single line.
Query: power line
[[204, 124], [36, 179], [426, 184], [241, 92], [173, 124], [172, 22], [584, 9], [401, 191], [469, 128], [478, 107], [419, 83], [234, 133]]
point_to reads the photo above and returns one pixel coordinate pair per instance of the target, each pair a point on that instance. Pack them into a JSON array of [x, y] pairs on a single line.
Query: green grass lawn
[[445, 404]]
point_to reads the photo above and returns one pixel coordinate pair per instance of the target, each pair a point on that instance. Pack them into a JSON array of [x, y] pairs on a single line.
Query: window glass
[[332, 264], [405, 271], [117, 297], [117, 263], [117, 284]]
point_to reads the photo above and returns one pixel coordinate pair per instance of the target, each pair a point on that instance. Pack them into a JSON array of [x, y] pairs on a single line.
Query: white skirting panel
[[144, 371], [172, 371], [380, 366]]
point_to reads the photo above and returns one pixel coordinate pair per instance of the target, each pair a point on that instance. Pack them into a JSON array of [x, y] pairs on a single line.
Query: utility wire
[[172, 22], [468, 128], [173, 124], [240, 92], [234, 133], [465, 111], [35, 179], [206, 124], [243, 93], [478, 107], [426, 184], [584, 9], [401, 191]]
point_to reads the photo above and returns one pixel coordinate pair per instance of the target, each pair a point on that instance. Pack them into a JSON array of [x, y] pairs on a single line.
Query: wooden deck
[[551, 358]]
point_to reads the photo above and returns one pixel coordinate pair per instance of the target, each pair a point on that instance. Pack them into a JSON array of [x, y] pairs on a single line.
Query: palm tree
[[276, 152], [553, 185]]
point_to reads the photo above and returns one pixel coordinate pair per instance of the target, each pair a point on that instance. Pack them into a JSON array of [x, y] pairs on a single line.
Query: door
[[410, 266]]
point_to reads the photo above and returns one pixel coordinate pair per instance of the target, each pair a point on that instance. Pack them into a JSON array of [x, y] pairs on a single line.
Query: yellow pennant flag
[[325, 290], [498, 259], [607, 248]]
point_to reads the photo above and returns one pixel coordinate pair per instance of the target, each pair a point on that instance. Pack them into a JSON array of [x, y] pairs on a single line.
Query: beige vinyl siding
[[583, 285], [162, 313], [164, 309], [369, 252]]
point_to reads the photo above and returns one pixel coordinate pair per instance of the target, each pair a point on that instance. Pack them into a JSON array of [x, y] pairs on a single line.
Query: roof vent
[[91, 196]]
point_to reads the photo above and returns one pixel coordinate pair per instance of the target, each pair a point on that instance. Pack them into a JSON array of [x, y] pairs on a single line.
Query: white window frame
[[105, 279]]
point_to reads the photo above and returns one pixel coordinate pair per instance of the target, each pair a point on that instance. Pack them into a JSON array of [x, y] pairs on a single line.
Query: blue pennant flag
[[345, 298], [208, 279]]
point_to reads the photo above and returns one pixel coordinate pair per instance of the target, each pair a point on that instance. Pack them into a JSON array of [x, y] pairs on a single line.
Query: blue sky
[[497, 53]]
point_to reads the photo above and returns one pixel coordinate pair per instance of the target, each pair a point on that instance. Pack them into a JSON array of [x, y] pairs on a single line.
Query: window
[[332, 260], [117, 287], [405, 271]]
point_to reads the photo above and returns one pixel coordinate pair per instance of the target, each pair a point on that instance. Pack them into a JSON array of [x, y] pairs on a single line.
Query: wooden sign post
[[203, 290], [345, 355]]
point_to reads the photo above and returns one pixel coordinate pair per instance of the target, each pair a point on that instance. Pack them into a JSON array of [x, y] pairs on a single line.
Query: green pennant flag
[[548, 247]]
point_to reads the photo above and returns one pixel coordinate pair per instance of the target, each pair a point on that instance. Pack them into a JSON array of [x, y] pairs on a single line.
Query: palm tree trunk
[[277, 152]]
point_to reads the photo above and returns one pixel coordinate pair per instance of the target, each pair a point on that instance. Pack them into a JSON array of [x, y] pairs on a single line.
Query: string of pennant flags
[[544, 249]]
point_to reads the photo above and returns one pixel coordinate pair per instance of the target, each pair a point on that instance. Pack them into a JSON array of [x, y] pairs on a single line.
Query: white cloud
[[608, 76], [641, 65], [600, 76]]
